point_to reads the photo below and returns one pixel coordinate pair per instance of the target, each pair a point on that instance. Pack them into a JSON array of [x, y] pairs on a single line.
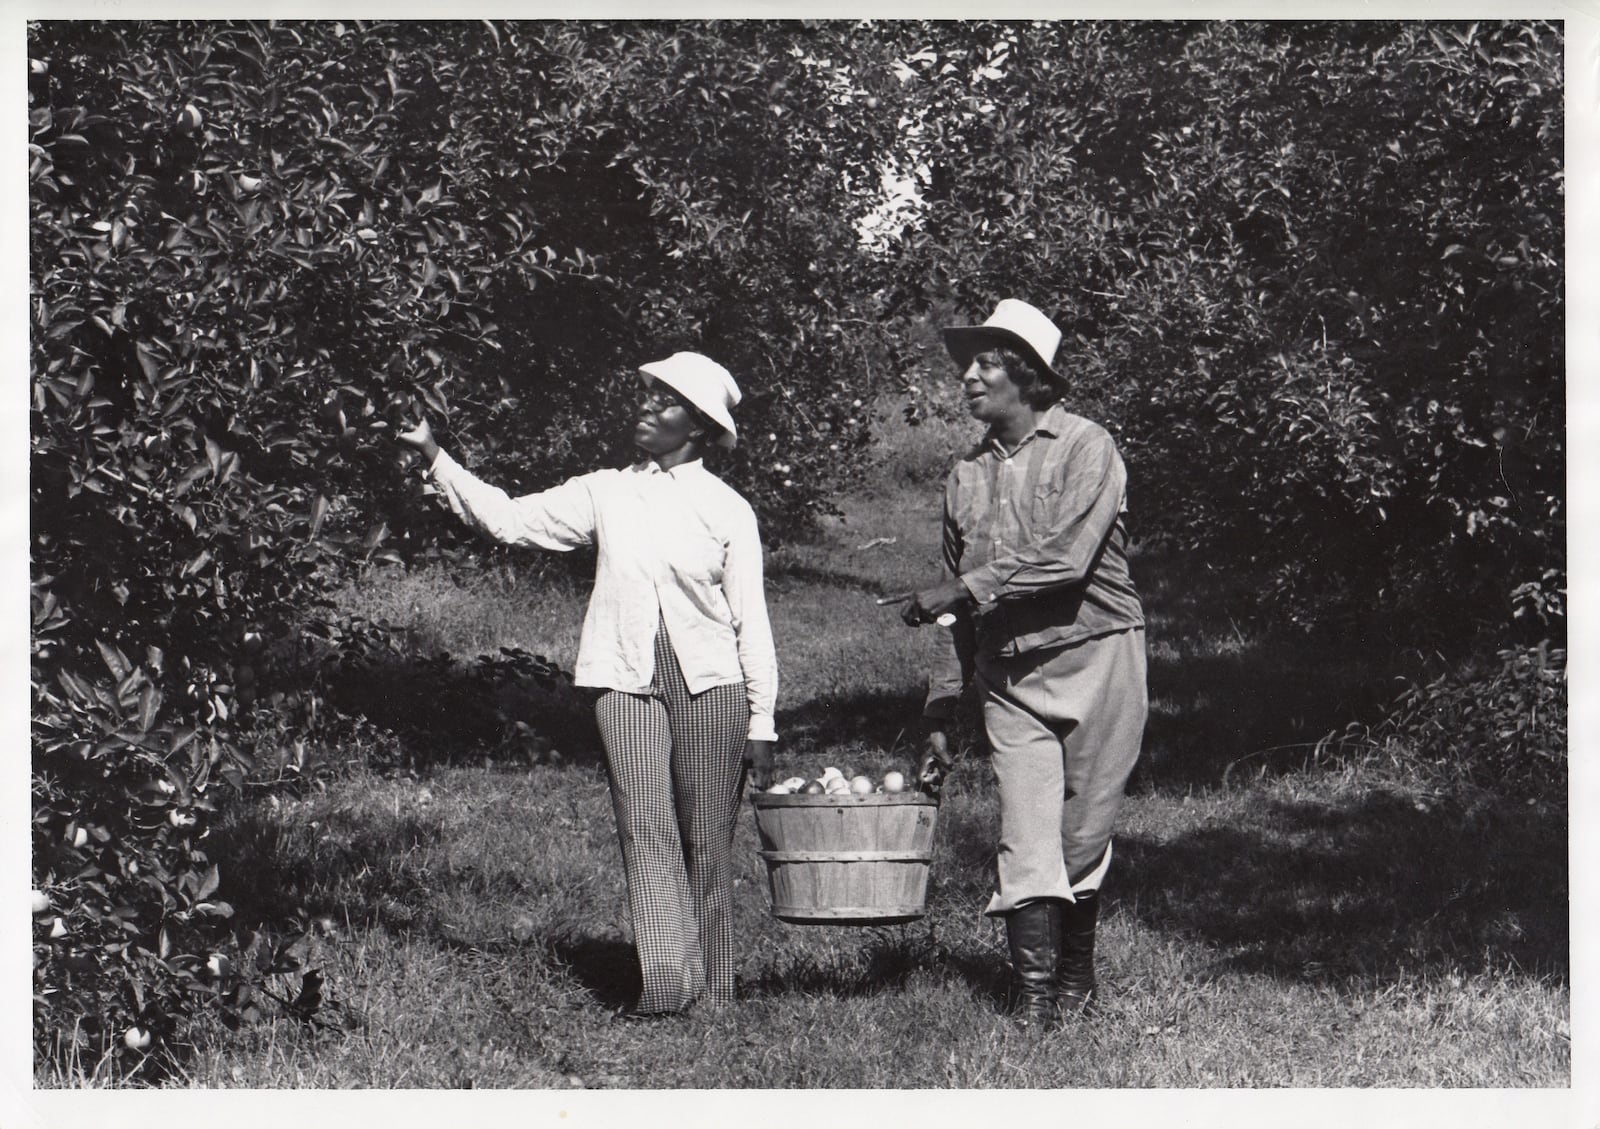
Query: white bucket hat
[[702, 382], [1013, 322]]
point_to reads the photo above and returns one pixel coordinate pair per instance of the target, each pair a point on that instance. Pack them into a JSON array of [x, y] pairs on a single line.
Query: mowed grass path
[[1273, 919]]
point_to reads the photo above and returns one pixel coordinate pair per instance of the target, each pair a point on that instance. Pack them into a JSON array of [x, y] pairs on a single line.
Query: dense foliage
[[1500, 723], [1312, 276], [1315, 277], [254, 251]]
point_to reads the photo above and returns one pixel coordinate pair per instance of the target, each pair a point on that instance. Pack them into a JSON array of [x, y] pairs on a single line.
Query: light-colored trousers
[[1065, 727]]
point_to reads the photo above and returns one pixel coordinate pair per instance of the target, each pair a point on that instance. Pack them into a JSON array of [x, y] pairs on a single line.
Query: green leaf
[[149, 706], [115, 660], [78, 689]]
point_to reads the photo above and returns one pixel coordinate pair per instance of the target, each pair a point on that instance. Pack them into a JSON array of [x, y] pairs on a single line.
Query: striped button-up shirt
[[1039, 536], [678, 547]]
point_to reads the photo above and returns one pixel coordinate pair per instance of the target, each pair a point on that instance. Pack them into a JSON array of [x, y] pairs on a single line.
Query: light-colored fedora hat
[[702, 382], [1013, 322]]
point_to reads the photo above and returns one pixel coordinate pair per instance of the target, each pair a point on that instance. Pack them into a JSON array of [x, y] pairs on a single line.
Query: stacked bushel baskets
[[847, 860]]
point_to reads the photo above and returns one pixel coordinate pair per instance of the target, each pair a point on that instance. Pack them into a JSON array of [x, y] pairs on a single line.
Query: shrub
[[132, 933], [1501, 724]]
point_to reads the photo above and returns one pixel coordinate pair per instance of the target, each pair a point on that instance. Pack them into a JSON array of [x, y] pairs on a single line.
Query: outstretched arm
[[560, 518]]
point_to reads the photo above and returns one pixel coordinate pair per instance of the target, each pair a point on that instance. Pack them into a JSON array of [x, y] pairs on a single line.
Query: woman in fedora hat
[[677, 639], [1048, 624]]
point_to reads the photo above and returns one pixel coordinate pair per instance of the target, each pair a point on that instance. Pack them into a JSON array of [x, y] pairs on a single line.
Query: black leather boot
[[1076, 970], [1033, 934]]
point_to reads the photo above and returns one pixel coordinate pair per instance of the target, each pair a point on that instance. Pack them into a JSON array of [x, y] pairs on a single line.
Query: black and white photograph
[[779, 565]]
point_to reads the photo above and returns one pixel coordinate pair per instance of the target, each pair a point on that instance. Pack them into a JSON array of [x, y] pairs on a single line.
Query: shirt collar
[[649, 466], [1049, 423], [1053, 420]]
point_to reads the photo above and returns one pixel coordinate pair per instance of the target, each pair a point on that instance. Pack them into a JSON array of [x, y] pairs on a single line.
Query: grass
[[477, 939], [1277, 916]]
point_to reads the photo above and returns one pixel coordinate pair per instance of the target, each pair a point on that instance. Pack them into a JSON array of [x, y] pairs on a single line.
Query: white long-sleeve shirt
[[677, 546]]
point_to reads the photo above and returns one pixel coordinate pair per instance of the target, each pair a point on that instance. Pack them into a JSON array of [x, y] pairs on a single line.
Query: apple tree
[[1311, 273], [255, 250]]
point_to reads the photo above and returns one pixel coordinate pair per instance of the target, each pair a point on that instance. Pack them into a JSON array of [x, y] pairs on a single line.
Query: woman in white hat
[[677, 637], [1047, 623]]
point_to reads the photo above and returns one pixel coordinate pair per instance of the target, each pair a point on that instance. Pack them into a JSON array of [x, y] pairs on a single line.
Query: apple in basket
[[860, 785], [894, 781], [813, 788]]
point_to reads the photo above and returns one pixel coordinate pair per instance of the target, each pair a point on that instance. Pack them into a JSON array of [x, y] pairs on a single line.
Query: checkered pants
[[676, 762]]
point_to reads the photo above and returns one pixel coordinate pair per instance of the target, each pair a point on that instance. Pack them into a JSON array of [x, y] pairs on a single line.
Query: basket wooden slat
[[847, 860]]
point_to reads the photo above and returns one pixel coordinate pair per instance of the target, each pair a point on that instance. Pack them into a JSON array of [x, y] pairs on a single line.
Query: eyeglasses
[[659, 400]]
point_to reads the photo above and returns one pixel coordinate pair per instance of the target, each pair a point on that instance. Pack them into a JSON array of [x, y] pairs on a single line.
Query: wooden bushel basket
[[847, 860]]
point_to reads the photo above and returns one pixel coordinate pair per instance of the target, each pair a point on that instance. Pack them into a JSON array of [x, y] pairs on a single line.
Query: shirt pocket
[[696, 559], [1045, 505]]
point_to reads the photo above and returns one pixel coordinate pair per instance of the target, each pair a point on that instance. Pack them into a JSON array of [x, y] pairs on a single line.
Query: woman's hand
[[421, 438], [928, 604], [935, 764], [758, 762]]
